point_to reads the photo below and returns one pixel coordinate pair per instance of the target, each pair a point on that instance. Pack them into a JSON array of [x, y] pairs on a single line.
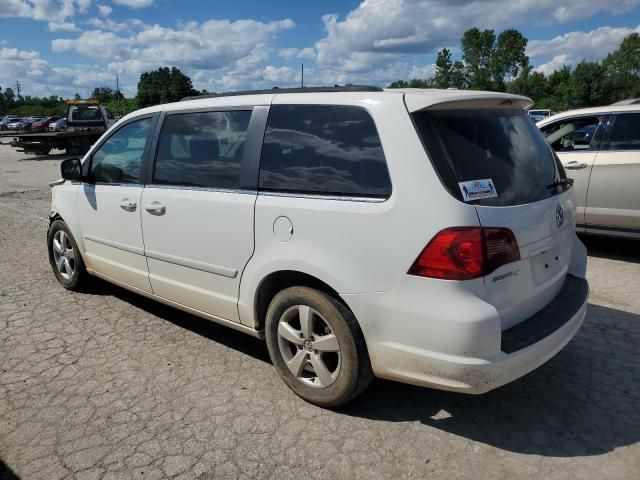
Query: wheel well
[[53, 217], [278, 281]]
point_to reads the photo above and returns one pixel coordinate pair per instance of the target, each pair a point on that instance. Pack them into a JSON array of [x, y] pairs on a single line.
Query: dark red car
[[43, 125]]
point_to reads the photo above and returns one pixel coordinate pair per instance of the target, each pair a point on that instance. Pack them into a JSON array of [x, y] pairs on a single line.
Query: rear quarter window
[[327, 150]]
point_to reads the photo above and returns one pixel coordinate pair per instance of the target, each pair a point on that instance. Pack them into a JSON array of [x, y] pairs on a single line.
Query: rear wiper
[[565, 182]]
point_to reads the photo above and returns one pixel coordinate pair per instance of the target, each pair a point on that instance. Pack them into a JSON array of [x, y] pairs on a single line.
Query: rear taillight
[[463, 253]]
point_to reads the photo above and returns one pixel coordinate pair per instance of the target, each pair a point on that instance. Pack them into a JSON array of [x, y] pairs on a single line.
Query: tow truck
[[87, 120]]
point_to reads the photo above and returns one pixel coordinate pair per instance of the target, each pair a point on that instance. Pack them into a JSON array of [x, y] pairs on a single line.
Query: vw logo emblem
[[559, 216]]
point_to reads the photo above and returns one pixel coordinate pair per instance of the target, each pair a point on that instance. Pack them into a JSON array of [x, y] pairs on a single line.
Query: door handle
[[128, 205], [575, 166], [155, 208]]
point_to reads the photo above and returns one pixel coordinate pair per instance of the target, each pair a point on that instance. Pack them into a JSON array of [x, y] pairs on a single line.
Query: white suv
[[423, 236]]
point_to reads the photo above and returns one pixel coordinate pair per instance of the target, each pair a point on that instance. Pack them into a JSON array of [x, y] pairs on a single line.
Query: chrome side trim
[[207, 316], [203, 189], [185, 262], [111, 243], [342, 198]]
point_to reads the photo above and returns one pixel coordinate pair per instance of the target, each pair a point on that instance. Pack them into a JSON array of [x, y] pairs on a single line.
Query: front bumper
[[522, 348]]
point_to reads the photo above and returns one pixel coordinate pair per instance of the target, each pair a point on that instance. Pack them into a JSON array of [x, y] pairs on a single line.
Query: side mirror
[[71, 169]]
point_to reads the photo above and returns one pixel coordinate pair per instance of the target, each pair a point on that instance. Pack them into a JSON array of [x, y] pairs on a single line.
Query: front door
[[196, 218], [109, 206]]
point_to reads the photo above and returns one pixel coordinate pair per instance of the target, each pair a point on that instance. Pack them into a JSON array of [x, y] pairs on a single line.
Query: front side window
[[323, 150], [202, 149], [119, 158], [626, 132], [572, 134]]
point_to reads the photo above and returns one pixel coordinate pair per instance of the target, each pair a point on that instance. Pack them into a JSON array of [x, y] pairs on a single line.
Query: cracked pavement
[[110, 385]]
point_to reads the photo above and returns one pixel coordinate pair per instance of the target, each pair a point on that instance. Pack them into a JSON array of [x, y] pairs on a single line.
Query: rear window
[[86, 114], [501, 145], [322, 149]]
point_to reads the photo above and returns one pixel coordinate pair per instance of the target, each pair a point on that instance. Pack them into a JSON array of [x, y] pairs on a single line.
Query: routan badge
[[477, 189]]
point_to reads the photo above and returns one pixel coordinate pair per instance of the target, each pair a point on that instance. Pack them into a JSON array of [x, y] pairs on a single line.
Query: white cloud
[[573, 47], [63, 27], [38, 77], [50, 10], [210, 45], [378, 31], [104, 10], [134, 3]]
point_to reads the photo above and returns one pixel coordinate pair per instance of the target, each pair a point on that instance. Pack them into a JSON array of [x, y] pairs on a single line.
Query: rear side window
[[202, 149], [626, 132], [317, 149], [501, 145]]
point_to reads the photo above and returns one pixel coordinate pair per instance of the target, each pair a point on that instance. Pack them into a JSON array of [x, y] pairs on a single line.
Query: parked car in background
[[19, 124], [4, 123], [43, 124], [58, 125], [421, 236], [540, 113], [600, 149]]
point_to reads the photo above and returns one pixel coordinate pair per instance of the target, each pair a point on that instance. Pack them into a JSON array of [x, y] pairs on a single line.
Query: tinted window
[[202, 149], [626, 132], [323, 149], [119, 158], [86, 114], [572, 134], [501, 145]]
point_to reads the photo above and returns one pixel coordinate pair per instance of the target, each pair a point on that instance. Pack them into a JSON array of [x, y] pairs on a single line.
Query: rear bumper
[[518, 351]]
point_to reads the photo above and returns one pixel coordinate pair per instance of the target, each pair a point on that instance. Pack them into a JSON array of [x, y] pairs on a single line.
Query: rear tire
[[317, 346], [65, 258]]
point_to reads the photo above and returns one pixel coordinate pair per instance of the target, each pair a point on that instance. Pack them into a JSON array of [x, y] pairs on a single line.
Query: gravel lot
[[111, 385]]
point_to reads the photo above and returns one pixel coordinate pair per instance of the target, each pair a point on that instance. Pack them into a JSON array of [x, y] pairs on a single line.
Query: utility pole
[[302, 75], [118, 93], [18, 88]]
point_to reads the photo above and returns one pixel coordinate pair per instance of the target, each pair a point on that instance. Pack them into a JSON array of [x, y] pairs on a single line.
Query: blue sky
[[66, 46]]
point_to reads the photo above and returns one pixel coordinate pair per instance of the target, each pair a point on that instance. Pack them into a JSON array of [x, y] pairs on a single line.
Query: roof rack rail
[[335, 88]]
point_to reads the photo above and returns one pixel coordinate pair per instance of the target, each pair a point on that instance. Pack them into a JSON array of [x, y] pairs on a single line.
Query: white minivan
[[423, 236]]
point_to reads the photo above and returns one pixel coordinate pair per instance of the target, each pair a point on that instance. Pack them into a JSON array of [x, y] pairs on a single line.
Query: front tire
[[64, 257], [317, 346]]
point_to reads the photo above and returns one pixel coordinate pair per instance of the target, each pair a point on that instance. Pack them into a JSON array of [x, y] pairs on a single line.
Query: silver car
[[600, 149]]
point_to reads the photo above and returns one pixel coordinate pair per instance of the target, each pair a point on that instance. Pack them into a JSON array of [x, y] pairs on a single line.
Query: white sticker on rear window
[[477, 189]]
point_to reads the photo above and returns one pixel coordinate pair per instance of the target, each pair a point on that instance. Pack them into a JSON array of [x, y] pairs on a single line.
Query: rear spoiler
[[455, 99]]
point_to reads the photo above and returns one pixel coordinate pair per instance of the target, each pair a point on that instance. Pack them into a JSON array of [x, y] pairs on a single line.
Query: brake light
[[463, 253]]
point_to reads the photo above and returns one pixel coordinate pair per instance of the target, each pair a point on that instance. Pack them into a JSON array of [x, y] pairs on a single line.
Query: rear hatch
[[488, 153]]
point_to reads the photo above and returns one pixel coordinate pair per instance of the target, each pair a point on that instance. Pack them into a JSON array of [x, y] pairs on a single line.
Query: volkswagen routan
[[422, 236]]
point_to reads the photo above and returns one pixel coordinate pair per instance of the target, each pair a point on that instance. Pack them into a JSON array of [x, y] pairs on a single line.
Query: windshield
[[501, 149]]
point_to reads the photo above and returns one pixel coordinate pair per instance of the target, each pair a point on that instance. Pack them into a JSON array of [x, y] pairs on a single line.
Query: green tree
[[587, 86], [477, 51], [508, 58], [530, 84], [164, 85], [449, 73], [623, 69], [399, 84]]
